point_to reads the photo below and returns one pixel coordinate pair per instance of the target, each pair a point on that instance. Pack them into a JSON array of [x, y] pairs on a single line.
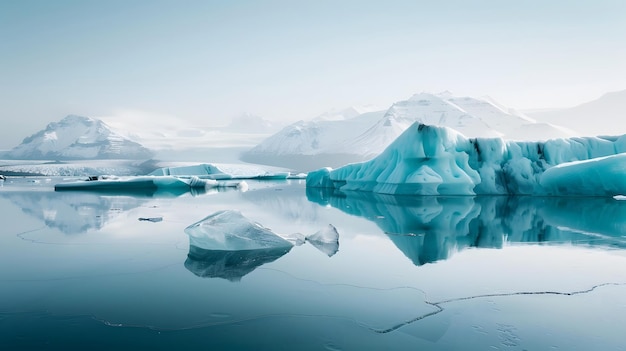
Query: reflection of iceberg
[[428, 229], [325, 240], [231, 265], [431, 160]]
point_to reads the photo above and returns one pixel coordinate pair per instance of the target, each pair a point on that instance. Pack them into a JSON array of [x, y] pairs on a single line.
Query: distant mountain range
[[603, 116], [78, 138], [331, 139], [334, 142]]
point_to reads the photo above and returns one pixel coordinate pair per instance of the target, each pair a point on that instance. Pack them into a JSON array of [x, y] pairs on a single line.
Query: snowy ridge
[[364, 136], [431, 160], [314, 137], [77, 137]]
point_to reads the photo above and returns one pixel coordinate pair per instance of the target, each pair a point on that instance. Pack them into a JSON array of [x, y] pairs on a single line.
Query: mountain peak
[[78, 137]]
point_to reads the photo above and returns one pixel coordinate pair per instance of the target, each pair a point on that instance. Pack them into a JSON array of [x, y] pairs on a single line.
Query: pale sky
[[207, 61]]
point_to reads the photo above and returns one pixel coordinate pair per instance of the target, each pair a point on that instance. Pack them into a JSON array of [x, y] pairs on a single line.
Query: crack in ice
[[437, 304]]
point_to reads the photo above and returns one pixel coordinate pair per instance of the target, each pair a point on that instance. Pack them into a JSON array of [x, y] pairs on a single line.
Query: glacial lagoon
[[100, 271]]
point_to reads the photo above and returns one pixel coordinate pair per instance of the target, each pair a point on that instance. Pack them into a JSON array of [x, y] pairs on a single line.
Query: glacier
[[436, 160]]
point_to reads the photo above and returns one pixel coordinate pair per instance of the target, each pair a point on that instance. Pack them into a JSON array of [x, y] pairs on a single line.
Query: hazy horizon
[[208, 61]]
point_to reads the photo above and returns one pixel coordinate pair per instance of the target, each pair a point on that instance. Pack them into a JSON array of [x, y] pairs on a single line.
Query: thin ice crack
[[440, 309]]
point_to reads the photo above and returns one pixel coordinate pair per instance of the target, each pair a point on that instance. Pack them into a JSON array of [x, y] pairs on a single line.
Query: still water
[[79, 270]]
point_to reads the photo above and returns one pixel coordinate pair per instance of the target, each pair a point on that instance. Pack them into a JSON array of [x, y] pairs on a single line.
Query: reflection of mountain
[[230, 265], [428, 228], [287, 201], [72, 212]]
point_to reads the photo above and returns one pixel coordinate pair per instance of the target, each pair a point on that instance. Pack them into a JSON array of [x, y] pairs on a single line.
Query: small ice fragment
[[619, 197], [297, 238], [151, 219]]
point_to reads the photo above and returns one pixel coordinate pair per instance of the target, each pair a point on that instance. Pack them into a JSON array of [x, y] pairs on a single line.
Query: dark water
[[81, 271]]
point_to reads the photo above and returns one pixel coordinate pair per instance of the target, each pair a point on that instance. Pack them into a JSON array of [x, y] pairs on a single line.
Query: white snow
[[364, 136], [229, 230], [430, 160], [77, 137]]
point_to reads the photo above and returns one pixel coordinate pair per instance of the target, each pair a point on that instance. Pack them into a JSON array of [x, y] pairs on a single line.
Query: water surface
[[80, 270]]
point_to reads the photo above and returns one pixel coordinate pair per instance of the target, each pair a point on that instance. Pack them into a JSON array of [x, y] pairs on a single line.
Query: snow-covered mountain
[[333, 142], [301, 145], [603, 116], [78, 138]]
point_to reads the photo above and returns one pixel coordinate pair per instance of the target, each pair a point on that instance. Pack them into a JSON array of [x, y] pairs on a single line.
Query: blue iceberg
[[431, 160]]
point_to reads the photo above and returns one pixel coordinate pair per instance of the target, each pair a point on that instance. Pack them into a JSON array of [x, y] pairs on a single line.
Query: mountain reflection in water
[[431, 228]]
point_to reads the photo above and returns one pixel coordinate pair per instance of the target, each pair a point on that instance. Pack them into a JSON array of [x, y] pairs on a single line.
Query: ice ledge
[[432, 160]]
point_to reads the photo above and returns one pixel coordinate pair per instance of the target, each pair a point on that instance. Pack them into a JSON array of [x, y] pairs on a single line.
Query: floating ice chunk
[[296, 238], [211, 171], [620, 197], [204, 169], [230, 230], [150, 219], [325, 240], [430, 160]]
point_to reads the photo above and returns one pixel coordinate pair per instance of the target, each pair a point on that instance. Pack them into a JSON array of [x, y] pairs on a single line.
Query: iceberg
[[226, 240], [229, 230], [434, 160], [228, 245]]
